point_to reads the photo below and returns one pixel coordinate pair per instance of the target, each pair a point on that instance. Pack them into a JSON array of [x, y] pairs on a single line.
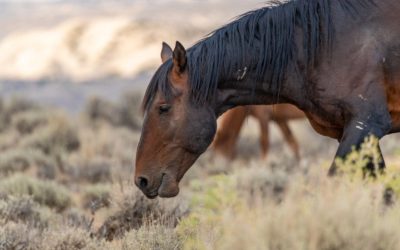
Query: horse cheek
[[206, 135], [200, 135]]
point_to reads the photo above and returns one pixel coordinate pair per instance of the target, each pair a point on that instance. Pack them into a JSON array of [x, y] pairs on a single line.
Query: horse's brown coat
[[336, 60]]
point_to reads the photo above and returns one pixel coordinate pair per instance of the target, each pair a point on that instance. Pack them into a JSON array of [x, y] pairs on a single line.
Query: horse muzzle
[[165, 187]]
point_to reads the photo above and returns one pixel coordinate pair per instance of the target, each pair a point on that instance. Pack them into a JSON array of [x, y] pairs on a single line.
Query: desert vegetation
[[66, 183], [66, 180]]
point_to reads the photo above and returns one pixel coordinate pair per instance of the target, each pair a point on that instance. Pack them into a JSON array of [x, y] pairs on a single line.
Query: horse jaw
[[169, 187]]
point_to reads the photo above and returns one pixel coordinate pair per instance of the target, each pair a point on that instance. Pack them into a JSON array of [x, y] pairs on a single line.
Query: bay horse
[[337, 60], [231, 122]]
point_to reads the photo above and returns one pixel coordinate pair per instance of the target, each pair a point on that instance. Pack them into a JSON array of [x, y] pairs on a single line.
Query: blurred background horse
[[231, 123]]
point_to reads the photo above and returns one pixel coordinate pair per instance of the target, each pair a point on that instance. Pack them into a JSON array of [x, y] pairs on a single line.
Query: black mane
[[263, 39]]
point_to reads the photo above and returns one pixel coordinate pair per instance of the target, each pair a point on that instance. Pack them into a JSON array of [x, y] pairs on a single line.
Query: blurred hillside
[[97, 39], [108, 47]]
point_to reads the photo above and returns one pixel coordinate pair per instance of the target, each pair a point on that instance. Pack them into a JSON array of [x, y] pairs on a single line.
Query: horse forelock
[[158, 84]]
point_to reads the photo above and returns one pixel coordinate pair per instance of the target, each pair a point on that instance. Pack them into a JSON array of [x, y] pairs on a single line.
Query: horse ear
[[166, 52], [179, 58]]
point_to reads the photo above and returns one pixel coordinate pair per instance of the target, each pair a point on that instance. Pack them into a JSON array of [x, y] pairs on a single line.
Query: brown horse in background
[[230, 124], [336, 60]]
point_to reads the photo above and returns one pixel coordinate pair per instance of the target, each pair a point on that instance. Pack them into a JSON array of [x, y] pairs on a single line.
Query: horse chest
[[324, 127], [392, 83], [393, 102]]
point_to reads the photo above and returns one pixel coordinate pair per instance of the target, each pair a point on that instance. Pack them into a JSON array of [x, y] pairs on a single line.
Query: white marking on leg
[[362, 97], [361, 125]]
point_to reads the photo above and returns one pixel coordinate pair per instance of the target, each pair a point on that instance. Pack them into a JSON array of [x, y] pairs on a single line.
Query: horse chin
[[169, 187]]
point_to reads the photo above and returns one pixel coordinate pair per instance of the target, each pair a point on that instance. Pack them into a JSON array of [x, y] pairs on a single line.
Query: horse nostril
[[143, 182]]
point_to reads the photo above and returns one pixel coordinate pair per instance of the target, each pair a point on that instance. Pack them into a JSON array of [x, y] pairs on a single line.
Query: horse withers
[[231, 122], [337, 60]]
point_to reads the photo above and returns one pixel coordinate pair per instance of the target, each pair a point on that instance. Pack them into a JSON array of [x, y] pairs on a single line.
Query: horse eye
[[164, 108]]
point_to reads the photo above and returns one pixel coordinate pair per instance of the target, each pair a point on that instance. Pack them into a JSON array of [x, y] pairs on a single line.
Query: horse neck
[[249, 91], [239, 81]]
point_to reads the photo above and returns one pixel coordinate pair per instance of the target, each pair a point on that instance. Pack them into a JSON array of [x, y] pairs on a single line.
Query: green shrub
[[46, 193], [210, 194], [209, 200], [355, 163], [353, 167], [314, 212]]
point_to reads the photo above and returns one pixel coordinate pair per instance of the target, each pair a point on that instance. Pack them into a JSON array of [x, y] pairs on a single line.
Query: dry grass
[[152, 236], [46, 193], [315, 213], [18, 236], [66, 238], [97, 196], [67, 184], [20, 160], [126, 113], [58, 136], [132, 210]]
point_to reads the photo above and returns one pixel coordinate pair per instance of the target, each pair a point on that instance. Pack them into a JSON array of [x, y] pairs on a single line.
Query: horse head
[[176, 130]]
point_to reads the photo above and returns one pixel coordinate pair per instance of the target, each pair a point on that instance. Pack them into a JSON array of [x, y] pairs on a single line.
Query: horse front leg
[[376, 123]]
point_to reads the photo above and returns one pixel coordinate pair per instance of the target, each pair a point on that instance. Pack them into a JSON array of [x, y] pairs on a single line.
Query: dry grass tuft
[[152, 236], [70, 238], [97, 196], [18, 236], [315, 213], [58, 136], [28, 121], [20, 160], [23, 210], [12, 108], [46, 193], [122, 114], [94, 171], [259, 182], [12, 161], [74, 217], [133, 210]]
